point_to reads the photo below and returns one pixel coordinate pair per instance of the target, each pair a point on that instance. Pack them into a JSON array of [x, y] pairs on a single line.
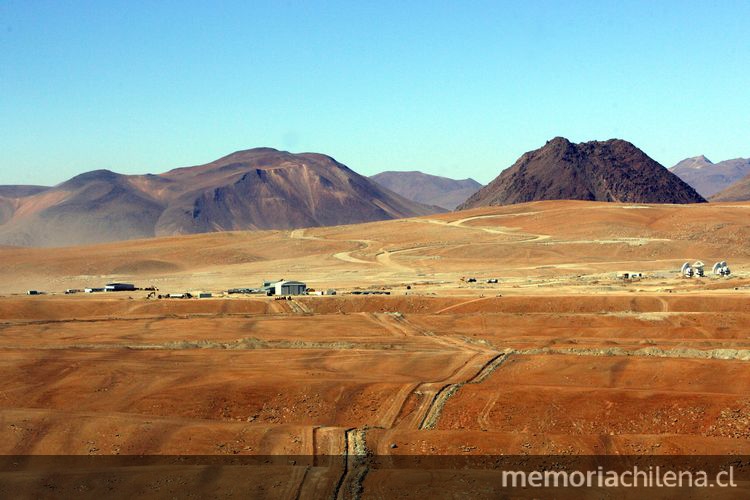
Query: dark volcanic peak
[[260, 188], [613, 170], [710, 178], [429, 189]]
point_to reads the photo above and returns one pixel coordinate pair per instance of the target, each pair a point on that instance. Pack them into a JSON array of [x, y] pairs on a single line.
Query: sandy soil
[[558, 358]]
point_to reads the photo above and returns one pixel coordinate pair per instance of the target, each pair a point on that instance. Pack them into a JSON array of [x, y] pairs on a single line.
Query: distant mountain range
[[613, 170], [264, 188], [255, 189], [710, 178], [428, 189]]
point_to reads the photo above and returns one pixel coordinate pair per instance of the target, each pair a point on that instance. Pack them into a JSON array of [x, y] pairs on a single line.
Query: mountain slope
[[255, 189], [269, 189], [709, 178], [94, 207], [613, 170], [428, 189], [739, 191], [9, 199]]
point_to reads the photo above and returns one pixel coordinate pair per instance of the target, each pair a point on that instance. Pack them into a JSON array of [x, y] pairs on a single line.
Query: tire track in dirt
[[432, 416], [392, 414], [382, 256], [398, 322], [299, 307], [443, 340], [399, 325], [526, 237], [346, 256], [384, 320], [432, 392], [425, 392], [362, 246], [455, 306], [279, 308], [483, 417], [664, 304]]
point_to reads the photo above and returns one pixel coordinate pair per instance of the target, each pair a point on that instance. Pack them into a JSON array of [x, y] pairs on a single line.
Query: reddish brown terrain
[[613, 170], [558, 358]]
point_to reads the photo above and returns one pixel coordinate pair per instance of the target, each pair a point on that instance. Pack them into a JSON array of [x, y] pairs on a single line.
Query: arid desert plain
[[559, 357]]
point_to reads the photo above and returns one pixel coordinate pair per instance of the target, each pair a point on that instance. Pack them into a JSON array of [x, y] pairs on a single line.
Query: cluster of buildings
[[280, 287], [109, 287]]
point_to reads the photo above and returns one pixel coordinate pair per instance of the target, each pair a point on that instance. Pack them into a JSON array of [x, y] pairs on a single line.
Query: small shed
[[290, 288]]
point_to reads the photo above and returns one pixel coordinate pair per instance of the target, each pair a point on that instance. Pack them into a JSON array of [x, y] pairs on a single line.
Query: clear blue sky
[[452, 88]]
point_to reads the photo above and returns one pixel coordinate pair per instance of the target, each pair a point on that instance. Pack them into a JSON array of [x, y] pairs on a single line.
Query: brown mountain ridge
[[613, 170], [260, 188], [710, 178]]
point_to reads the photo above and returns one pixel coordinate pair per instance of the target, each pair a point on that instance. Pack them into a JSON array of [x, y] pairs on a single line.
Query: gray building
[[289, 288]]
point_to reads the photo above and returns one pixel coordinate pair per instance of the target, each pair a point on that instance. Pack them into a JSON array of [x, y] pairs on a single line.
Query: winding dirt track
[[519, 237]]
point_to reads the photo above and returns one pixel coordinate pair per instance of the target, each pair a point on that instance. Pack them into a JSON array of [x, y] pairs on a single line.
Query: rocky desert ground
[[558, 358]]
